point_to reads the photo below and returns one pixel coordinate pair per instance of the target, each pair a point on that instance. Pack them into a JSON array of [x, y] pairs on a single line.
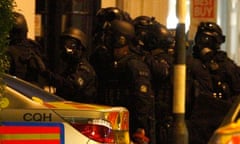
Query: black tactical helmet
[[77, 34], [111, 13], [104, 16], [143, 22], [152, 33], [119, 33], [209, 34], [20, 28], [74, 44]]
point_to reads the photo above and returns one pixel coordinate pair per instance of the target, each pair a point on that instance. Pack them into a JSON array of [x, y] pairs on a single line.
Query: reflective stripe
[[119, 120], [235, 139], [29, 136], [112, 117], [31, 133], [125, 121], [28, 129], [30, 142]]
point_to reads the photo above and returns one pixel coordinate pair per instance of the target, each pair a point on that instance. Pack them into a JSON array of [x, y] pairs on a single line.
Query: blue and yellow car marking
[[31, 133]]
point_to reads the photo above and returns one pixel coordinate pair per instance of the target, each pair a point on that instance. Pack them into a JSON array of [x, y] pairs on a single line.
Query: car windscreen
[[28, 89]]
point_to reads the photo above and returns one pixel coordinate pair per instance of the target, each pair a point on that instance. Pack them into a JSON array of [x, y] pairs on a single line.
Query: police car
[[30, 115], [229, 130]]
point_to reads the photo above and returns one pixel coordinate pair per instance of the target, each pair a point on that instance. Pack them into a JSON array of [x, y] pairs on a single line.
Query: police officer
[[101, 58], [130, 85], [24, 54], [155, 40], [104, 15], [216, 77], [77, 79], [108, 14], [224, 72]]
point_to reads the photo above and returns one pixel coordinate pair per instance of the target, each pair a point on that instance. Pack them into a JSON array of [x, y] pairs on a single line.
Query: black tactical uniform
[[154, 42], [217, 80], [224, 72], [24, 54], [130, 84], [199, 82], [77, 81], [101, 59]]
